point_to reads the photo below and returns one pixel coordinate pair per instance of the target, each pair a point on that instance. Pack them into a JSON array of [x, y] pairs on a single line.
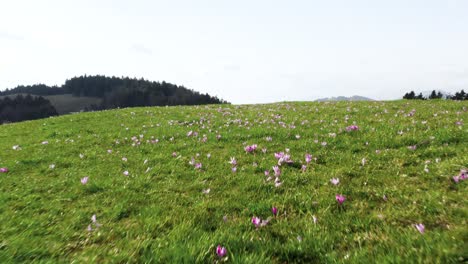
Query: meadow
[[338, 182]]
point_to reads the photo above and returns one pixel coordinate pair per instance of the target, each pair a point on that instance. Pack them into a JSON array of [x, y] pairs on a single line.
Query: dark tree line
[[122, 92], [127, 92], [436, 95], [27, 107], [37, 89]]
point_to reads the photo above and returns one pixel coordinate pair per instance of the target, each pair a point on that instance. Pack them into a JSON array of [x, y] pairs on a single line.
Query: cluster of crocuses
[[258, 222], [233, 163], [462, 176], [250, 148], [283, 158], [196, 165], [352, 128], [192, 134], [277, 172]]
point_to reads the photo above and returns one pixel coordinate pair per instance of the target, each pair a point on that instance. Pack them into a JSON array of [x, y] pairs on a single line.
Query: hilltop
[[355, 182], [98, 92], [344, 98]]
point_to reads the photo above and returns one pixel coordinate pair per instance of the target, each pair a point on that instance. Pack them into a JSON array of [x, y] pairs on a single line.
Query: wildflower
[[279, 155], [124, 159], [84, 180], [234, 169], [52, 166], [456, 179], [285, 158], [221, 251], [109, 151], [251, 148], [352, 128], [198, 165], [463, 175], [303, 168], [314, 218], [125, 173], [267, 172], [233, 161], [256, 221], [206, 191], [3, 170], [45, 142], [93, 218], [192, 162], [363, 161], [308, 158], [278, 182], [412, 147], [335, 181], [16, 147], [174, 154], [340, 198], [274, 210], [420, 228], [277, 171]]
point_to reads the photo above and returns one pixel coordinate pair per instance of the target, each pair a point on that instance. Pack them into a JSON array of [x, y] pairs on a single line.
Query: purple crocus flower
[[3, 170], [340, 198], [335, 181], [221, 251], [84, 180], [251, 148], [463, 175], [352, 128], [308, 158], [274, 210], [233, 161], [420, 228], [256, 221], [277, 171]]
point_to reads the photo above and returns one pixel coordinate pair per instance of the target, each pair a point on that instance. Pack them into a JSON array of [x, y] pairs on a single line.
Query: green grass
[[159, 213]]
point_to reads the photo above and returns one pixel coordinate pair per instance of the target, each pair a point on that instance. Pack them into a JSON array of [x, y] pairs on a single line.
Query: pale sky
[[243, 51]]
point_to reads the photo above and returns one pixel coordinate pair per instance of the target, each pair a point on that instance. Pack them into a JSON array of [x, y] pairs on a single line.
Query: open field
[[159, 184]]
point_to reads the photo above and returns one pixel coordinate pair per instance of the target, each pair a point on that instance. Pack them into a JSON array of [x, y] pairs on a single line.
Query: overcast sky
[[244, 51]]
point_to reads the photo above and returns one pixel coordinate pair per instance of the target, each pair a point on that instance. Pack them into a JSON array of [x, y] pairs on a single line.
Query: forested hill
[[121, 92], [101, 92]]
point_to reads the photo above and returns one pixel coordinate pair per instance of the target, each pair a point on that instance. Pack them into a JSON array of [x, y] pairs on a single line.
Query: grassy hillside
[[158, 184]]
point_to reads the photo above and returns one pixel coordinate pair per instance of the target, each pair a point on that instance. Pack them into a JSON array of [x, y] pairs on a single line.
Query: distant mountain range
[[344, 98]]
